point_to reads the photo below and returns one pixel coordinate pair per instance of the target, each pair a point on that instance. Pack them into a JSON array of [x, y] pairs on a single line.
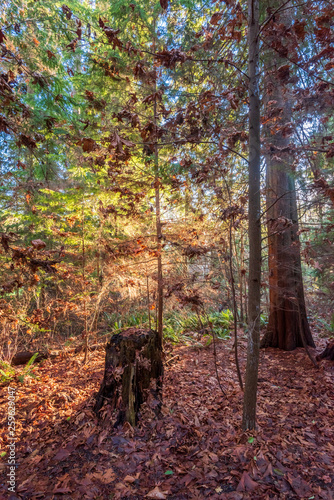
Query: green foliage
[[327, 326], [7, 372], [263, 320], [27, 370], [116, 324], [178, 326]]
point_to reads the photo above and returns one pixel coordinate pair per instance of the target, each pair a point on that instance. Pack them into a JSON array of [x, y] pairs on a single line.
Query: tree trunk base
[[133, 375], [328, 353], [287, 329]]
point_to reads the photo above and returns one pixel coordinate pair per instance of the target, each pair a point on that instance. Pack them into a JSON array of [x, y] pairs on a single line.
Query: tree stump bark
[[133, 375], [328, 353]]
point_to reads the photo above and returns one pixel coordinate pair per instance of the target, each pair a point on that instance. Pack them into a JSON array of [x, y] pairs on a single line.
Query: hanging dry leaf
[[164, 4]]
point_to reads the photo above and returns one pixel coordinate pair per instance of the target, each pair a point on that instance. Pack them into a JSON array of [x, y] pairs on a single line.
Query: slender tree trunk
[[159, 246], [158, 216], [288, 326], [148, 302], [234, 305], [85, 333], [254, 289], [241, 277]]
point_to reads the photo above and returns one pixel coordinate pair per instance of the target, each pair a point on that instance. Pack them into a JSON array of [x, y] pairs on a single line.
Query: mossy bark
[[133, 375]]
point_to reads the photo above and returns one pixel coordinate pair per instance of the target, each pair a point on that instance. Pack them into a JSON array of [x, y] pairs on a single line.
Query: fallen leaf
[[38, 244], [129, 479], [246, 483], [62, 454], [157, 494]]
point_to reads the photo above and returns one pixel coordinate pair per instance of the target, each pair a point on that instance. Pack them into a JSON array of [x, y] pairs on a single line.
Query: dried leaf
[[164, 4], [38, 244], [216, 18], [246, 483], [157, 494]]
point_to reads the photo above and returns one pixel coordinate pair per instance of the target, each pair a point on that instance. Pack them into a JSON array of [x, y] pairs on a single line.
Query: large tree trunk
[[288, 326], [133, 375]]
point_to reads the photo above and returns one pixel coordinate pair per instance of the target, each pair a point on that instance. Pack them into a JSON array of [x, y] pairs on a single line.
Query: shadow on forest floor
[[195, 451]]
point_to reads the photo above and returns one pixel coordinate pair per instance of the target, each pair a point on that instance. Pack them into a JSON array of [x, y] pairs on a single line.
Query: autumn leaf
[[156, 494], [216, 18], [300, 486], [299, 28], [246, 483], [38, 244], [62, 454], [88, 145], [164, 4], [2, 36], [283, 73], [67, 11], [129, 479], [108, 476]]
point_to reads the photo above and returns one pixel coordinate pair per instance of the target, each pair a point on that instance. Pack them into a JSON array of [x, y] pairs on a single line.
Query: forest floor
[[196, 450]]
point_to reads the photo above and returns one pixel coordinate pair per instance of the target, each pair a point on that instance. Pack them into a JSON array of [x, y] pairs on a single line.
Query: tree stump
[[328, 353], [133, 374]]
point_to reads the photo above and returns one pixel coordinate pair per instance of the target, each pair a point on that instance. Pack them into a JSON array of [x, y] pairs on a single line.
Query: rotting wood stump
[[328, 353], [133, 375]]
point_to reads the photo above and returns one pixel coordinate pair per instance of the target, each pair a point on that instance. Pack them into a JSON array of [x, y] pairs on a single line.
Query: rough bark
[[254, 227], [133, 375], [328, 353], [288, 327]]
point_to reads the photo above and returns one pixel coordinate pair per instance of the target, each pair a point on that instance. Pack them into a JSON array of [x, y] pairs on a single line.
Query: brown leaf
[[129, 479], [108, 476], [157, 494], [67, 11], [2, 36], [299, 27], [5, 239], [246, 483], [300, 486], [88, 145], [62, 454], [216, 18], [38, 244], [284, 73], [62, 490]]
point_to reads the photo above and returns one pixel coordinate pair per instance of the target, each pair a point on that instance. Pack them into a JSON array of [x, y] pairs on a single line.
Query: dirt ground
[[196, 450]]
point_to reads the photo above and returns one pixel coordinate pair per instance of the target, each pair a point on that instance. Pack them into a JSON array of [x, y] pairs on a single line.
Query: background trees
[[125, 139]]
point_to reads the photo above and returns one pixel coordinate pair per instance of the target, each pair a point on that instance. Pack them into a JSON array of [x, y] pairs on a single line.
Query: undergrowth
[[179, 326], [8, 373]]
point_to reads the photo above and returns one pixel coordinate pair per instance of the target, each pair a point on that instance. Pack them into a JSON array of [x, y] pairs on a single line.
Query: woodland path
[[196, 450]]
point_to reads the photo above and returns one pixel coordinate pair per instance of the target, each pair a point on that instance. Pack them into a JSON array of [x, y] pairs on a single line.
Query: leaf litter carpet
[[196, 450]]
